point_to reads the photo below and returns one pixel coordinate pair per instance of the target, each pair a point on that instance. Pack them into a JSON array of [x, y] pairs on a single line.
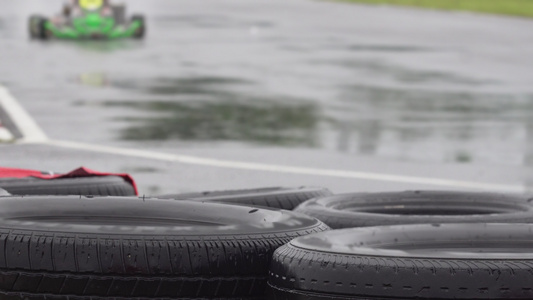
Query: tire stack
[[410, 245], [89, 247], [247, 244]]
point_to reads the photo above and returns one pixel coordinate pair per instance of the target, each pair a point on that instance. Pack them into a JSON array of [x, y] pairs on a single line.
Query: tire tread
[[96, 263], [101, 186]]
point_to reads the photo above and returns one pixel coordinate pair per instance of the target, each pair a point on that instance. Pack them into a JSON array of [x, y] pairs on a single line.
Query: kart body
[[89, 24]]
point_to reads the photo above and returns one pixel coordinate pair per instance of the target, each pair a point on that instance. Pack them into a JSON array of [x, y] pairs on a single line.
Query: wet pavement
[[305, 83]]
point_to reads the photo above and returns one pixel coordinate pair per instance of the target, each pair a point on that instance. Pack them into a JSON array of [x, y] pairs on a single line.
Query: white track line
[[5, 135], [25, 124], [193, 160], [31, 133]]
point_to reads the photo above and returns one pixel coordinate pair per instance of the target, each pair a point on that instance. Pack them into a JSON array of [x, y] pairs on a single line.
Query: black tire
[[133, 248], [119, 13], [98, 186], [415, 207], [275, 197], [449, 261], [36, 27], [141, 32]]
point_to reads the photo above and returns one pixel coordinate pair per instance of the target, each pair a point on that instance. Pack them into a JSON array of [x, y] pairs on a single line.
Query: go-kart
[[88, 24]]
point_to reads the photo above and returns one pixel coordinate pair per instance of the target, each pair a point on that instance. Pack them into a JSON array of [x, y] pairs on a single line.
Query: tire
[[414, 207], [141, 32], [36, 26], [97, 186], [449, 261], [276, 197], [119, 13], [84, 248]]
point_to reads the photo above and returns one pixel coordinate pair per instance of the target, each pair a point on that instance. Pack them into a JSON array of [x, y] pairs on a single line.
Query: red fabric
[[81, 172], [18, 173]]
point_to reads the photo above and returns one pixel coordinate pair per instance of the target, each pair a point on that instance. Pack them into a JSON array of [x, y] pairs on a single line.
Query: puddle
[[424, 125], [210, 108], [438, 105], [213, 108], [399, 123], [257, 120], [406, 75]]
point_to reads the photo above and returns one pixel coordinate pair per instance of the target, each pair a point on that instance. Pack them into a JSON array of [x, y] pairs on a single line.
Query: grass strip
[[522, 8]]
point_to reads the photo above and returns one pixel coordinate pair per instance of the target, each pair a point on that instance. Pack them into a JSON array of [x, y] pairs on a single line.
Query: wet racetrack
[[329, 85]]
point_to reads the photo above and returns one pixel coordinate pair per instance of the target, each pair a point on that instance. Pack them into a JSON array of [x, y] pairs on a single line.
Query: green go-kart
[[88, 24]]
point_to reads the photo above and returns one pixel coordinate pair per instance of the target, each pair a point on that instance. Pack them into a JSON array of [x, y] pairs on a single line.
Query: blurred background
[[385, 89]]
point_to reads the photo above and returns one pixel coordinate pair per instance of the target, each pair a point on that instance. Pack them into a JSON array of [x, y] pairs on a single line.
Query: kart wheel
[[141, 31], [36, 26], [119, 13], [48, 34]]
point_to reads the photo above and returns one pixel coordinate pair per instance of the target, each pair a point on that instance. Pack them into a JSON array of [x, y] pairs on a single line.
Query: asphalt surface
[[306, 84]]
